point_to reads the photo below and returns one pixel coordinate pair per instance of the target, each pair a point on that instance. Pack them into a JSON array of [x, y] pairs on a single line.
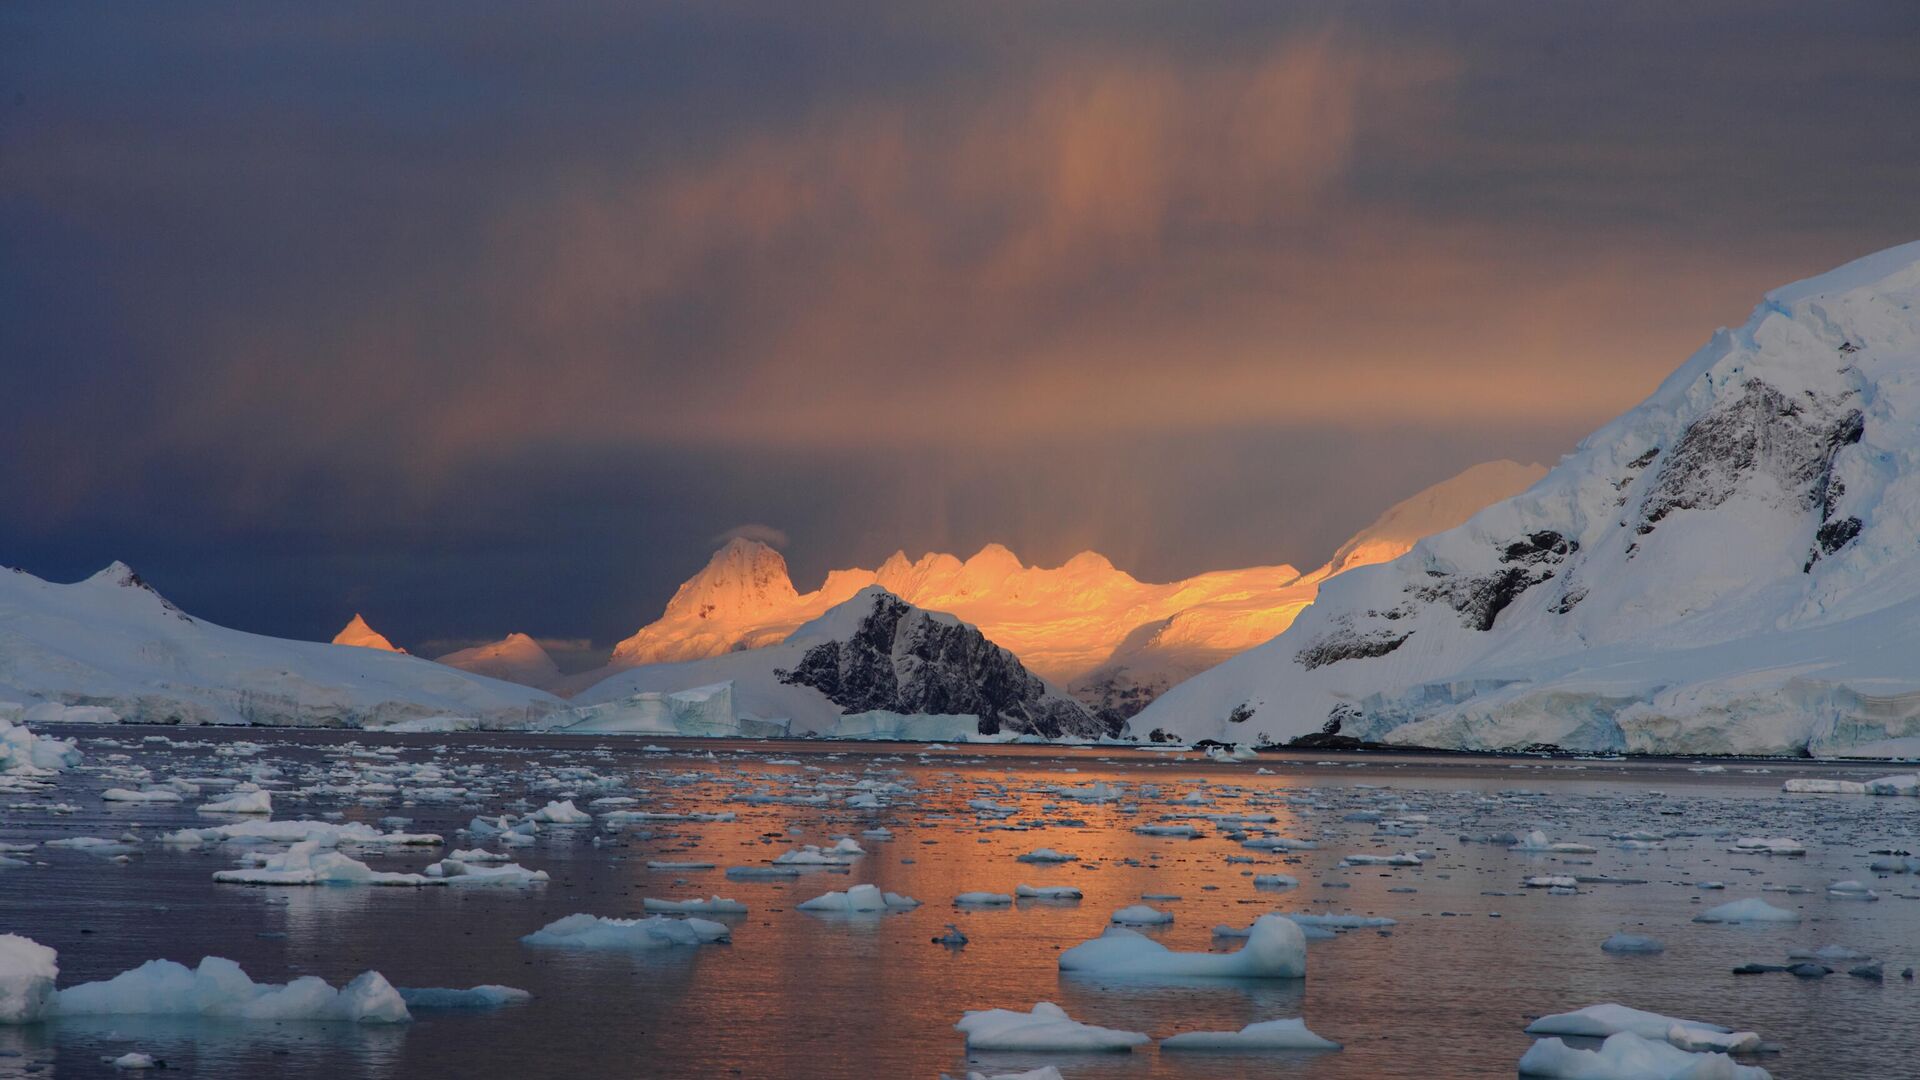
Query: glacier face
[[1730, 567]]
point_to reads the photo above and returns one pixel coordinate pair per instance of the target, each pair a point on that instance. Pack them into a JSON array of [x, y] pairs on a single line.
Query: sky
[[490, 317]]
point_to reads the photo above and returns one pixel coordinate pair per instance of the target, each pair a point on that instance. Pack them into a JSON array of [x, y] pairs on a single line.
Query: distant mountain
[[873, 665], [361, 636], [112, 641], [1059, 621], [1730, 567], [1117, 642], [515, 658]]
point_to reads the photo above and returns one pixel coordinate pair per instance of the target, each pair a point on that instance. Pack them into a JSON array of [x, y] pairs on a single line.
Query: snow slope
[[112, 641], [872, 666], [1166, 652], [358, 634], [515, 658], [1730, 567]]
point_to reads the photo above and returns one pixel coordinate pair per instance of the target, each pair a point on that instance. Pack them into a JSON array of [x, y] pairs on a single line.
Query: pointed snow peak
[[743, 575], [361, 636], [994, 556], [1089, 562], [897, 563], [119, 573]]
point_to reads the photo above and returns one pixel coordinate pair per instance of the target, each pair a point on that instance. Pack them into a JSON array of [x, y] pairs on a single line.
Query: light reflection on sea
[[1446, 992]]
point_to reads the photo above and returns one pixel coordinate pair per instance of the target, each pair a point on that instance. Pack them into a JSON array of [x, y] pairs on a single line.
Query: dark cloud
[[493, 323]]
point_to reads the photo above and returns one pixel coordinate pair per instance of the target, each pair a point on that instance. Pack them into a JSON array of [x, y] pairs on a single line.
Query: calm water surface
[[1443, 993]]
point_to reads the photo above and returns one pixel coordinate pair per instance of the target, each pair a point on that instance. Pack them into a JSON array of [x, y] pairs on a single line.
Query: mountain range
[[1730, 567]]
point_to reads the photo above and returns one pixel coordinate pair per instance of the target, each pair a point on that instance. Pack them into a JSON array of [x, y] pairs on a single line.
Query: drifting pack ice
[[1729, 568]]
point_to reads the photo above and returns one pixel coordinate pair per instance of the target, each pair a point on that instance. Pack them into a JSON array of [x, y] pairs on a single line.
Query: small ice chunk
[[488, 996], [1142, 915], [657, 932], [561, 813], [1266, 1035], [258, 801], [1750, 910], [1046, 1029], [1631, 943], [1275, 949], [1047, 855], [859, 900], [713, 905], [983, 899], [1046, 892]]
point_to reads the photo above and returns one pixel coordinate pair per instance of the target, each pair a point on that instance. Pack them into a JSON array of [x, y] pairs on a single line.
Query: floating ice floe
[[858, 900], [1631, 943], [1538, 841], [216, 988], [1600, 1021], [1047, 1028], [1627, 1056], [313, 862], [1046, 892], [561, 813], [584, 931], [1404, 858], [328, 833], [713, 905], [147, 795], [1550, 881], [1275, 949], [1767, 845], [460, 872], [1850, 890], [488, 996], [1266, 1035], [1275, 881], [983, 899], [257, 801], [842, 853], [1047, 855], [1142, 915], [1750, 910]]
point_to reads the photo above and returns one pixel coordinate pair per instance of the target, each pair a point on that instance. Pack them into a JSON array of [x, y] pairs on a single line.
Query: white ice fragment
[[1047, 1028]]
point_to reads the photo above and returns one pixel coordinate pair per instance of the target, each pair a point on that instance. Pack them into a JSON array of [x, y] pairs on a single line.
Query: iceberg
[[219, 988], [1276, 948]]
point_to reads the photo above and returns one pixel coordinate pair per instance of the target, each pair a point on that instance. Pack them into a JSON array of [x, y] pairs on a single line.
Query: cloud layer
[[497, 324]]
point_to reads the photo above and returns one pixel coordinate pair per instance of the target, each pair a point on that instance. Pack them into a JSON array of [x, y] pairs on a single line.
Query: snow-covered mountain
[[1116, 640], [1059, 621], [872, 665], [1160, 654], [361, 636], [1730, 567], [515, 658], [113, 641]]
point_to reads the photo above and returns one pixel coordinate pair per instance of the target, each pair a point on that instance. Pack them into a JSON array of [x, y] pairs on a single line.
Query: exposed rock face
[[1729, 567], [904, 660]]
